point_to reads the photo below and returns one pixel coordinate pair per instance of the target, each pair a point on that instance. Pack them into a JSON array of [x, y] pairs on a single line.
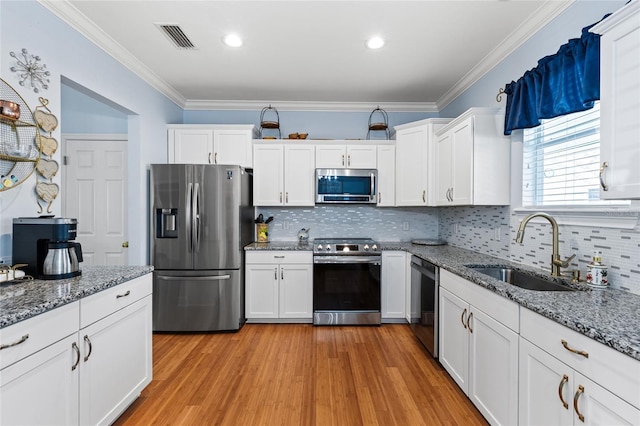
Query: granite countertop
[[609, 316], [23, 300]]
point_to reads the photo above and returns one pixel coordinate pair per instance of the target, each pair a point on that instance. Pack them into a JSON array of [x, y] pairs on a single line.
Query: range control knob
[[319, 247], [374, 247], [366, 247]]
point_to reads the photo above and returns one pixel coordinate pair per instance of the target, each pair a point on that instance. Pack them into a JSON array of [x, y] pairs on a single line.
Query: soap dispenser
[[596, 271]]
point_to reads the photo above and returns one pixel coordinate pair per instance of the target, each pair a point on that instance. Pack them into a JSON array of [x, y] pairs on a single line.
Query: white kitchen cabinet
[[393, 284], [283, 174], [620, 103], [386, 175], [472, 160], [211, 144], [415, 162], [279, 285], [346, 156], [480, 351]]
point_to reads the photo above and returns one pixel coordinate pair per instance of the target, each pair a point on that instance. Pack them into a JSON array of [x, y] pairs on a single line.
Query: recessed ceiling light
[[232, 40], [375, 43]]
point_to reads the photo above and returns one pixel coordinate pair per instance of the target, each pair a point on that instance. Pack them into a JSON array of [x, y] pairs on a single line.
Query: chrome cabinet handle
[[22, 340], [278, 257], [379, 198], [349, 159], [575, 351], [424, 196], [77, 351], [469, 322], [275, 274], [118, 296], [282, 273], [209, 158], [280, 196], [343, 159], [563, 382], [215, 158], [464, 324], [603, 184], [579, 392], [286, 197], [87, 340]]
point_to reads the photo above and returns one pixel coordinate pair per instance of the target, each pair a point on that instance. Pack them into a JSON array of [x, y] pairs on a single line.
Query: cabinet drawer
[[611, 369], [279, 256], [108, 301], [41, 331], [502, 310]]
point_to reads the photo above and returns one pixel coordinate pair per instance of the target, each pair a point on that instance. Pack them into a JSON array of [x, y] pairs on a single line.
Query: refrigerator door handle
[[210, 278], [190, 215], [196, 217]]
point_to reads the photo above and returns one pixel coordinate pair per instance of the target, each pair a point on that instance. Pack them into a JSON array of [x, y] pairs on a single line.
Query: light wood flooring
[[298, 374]]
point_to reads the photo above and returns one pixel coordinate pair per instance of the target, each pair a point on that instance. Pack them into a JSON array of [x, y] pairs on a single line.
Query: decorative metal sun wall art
[[30, 70]]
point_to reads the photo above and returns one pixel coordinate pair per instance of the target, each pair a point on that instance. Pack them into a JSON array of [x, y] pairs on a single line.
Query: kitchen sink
[[520, 279]]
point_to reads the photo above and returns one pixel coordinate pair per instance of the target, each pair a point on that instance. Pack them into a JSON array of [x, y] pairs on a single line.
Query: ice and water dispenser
[[166, 223]]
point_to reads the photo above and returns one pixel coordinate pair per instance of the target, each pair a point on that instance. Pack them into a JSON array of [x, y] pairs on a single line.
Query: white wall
[[27, 24]]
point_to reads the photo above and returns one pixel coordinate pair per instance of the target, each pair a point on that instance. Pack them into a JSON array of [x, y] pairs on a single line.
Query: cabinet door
[[393, 284], [232, 147], [411, 166], [545, 388], [443, 152], [386, 176], [268, 175], [296, 291], [42, 389], [462, 163], [598, 406], [331, 157], [191, 146], [116, 362], [299, 175], [261, 284], [620, 109], [493, 370], [454, 337], [362, 156]]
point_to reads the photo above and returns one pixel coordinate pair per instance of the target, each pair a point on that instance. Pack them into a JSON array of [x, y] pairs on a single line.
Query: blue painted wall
[[84, 114]]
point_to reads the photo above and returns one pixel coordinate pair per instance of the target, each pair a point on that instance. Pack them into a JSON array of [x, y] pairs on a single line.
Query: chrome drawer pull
[[22, 340], [579, 392], [118, 296], [602, 182], [575, 351], [563, 382], [77, 351], [469, 322], [462, 318]]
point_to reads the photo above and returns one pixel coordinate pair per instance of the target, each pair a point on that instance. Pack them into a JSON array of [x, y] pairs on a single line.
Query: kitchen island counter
[[25, 299]]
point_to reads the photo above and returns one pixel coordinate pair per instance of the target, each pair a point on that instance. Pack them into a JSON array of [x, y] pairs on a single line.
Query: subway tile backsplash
[[486, 229]]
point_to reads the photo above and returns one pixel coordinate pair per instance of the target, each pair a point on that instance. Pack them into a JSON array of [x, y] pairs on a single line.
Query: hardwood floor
[[298, 374]]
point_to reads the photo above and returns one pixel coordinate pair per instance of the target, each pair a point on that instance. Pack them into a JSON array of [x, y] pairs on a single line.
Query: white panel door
[[462, 163], [261, 291], [454, 337], [393, 284], [411, 166], [191, 146], [331, 156], [96, 194], [232, 146], [386, 176], [296, 291], [299, 175], [362, 156], [268, 175]]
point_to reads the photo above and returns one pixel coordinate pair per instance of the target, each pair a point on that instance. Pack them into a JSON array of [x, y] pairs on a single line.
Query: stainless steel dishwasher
[[425, 282]]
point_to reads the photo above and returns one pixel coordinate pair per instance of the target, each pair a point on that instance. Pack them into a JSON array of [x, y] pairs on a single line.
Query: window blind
[[561, 162]]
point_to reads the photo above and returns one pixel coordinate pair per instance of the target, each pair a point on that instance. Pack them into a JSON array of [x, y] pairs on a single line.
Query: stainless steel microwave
[[353, 186]]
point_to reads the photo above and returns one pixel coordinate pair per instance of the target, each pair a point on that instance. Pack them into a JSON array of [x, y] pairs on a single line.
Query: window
[[561, 162]]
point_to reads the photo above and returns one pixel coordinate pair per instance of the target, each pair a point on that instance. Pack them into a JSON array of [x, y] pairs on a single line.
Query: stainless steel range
[[346, 281]]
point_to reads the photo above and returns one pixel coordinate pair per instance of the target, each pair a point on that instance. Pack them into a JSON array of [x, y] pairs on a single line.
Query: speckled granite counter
[[27, 299], [609, 316]]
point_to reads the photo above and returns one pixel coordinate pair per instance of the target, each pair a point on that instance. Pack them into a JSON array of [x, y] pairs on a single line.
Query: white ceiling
[[310, 51]]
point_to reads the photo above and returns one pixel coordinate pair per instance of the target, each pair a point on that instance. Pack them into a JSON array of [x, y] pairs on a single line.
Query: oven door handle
[[423, 271], [346, 259]]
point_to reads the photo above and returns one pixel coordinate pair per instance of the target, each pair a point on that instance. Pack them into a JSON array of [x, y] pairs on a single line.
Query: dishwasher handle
[[424, 271]]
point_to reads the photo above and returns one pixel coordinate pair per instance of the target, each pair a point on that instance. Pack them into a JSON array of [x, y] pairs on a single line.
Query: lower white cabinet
[[568, 379], [88, 375], [279, 285], [393, 284], [480, 352]]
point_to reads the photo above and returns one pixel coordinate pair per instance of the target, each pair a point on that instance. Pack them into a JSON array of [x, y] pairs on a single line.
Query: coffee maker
[[46, 245]]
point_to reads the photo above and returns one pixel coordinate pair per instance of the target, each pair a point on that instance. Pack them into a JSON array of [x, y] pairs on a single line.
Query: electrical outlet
[[456, 227], [497, 233], [285, 224], [405, 226]]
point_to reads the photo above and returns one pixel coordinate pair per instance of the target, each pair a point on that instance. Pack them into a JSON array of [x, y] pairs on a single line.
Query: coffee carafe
[[46, 245]]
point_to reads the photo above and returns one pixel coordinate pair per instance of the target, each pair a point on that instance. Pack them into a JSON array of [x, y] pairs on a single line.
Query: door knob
[[125, 244]]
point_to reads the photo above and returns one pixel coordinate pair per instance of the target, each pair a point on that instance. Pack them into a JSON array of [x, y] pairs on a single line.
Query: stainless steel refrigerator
[[201, 218]]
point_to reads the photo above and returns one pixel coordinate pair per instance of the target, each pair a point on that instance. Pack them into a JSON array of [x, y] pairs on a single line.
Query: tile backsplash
[[486, 229]]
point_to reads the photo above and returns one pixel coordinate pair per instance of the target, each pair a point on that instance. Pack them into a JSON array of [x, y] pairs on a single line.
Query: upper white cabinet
[[283, 175], [346, 156], [472, 160], [415, 162], [620, 103], [386, 175], [211, 144]]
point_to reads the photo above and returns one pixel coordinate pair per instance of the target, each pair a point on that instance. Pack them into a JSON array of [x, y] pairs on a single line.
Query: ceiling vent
[[176, 35]]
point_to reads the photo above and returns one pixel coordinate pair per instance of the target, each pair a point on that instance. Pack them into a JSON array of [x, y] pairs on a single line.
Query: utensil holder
[[262, 232]]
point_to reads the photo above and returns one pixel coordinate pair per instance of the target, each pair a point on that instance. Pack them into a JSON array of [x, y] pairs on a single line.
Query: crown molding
[[79, 22], [311, 106], [545, 14]]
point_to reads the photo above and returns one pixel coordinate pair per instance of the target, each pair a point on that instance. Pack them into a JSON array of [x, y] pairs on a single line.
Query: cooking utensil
[[269, 219], [259, 219]]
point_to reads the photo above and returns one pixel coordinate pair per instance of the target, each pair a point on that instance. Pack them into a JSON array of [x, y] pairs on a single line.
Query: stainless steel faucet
[[556, 263]]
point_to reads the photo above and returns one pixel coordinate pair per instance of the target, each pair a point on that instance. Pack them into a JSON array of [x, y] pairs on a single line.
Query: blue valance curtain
[[566, 82]]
